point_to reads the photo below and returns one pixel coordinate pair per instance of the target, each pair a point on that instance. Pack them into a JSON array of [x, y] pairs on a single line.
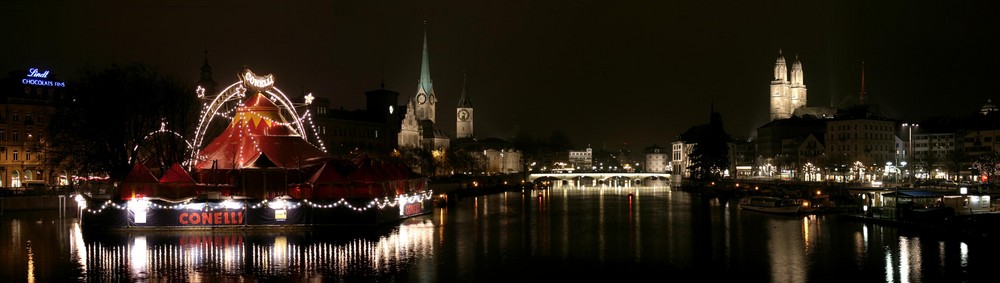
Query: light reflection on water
[[202, 255], [568, 232]]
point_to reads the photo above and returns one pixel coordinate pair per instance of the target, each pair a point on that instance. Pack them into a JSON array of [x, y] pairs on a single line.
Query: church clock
[[463, 115], [421, 98]]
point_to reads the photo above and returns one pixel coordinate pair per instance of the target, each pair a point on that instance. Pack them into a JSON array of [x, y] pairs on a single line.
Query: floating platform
[[243, 213]]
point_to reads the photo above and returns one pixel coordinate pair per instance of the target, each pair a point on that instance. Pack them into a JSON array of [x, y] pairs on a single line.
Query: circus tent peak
[[139, 182], [140, 174], [176, 174], [331, 172]]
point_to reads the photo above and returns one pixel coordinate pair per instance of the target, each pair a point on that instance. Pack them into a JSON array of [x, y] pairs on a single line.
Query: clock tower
[[425, 98], [463, 114]]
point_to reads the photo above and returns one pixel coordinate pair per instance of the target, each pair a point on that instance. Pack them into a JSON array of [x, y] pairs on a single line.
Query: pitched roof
[[330, 172], [176, 174], [139, 174]]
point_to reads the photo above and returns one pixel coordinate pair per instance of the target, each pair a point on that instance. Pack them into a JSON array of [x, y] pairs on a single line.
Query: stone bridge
[[597, 176]]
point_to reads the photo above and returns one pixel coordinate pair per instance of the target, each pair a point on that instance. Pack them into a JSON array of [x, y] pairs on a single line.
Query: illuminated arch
[[163, 130], [234, 94]]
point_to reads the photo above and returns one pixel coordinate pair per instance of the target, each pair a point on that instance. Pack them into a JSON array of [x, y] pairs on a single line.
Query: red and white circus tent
[[259, 137]]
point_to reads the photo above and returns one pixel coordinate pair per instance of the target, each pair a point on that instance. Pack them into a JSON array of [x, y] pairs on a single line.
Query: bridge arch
[[597, 177]]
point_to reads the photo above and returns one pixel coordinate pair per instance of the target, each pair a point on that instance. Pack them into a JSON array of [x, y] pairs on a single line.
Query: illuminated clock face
[[463, 115], [421, 98]]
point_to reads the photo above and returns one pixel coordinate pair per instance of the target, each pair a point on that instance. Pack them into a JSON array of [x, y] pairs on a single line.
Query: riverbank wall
[[44, 202]]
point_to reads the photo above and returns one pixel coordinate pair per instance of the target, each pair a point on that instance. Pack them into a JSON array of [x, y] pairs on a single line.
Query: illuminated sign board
[[280, 215], [413, 208], [259, 83], [211, 218], [40, 78]]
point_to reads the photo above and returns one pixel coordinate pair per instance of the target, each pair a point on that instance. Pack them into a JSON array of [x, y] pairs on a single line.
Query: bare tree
[[114, 110]]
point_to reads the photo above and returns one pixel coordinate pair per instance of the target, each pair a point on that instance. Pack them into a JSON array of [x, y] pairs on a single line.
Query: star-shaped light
[[309, 98], [200, 91]]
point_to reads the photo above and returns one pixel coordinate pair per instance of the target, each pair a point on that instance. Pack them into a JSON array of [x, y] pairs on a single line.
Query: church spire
[[862, 98], [797, 71], [206, 80], [465, 101], [206, 70], [425, 68], [425, 97], [780, 69]]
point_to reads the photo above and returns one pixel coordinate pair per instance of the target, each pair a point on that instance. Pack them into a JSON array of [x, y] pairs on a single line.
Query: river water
[[558, 234]]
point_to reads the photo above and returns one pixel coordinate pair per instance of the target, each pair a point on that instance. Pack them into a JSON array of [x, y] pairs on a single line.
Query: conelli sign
[[40, 78]]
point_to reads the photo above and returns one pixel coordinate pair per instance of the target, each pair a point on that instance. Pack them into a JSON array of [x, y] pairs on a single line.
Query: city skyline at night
[[602, 73]]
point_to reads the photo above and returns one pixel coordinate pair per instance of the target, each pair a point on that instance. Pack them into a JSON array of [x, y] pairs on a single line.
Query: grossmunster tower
[[786, 96]]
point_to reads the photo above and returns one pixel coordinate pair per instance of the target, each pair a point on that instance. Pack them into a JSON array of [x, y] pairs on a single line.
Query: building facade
[[657, 159], [503, 161], [582, 159], [374, 130], [864, 142], [29, 99], [679, 152]]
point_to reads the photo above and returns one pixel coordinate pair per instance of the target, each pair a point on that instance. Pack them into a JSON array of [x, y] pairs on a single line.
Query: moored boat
[[770, 204]]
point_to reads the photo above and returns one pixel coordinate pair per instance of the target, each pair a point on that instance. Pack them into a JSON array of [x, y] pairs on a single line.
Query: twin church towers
[[787, 95]]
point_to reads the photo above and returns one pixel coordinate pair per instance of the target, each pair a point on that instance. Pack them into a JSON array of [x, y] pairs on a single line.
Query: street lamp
[[909, 150]]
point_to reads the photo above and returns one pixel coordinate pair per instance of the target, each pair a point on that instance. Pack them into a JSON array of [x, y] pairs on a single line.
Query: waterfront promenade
[[37, 202], [845, 199]]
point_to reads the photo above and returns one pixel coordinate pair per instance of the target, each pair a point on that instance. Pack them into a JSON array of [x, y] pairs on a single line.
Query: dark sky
[[605, 73]]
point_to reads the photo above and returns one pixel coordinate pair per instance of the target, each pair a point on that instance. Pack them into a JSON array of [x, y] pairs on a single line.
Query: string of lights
[[143, 203]]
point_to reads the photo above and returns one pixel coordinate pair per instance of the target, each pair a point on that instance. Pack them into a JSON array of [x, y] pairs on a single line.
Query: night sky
[[605, 73]]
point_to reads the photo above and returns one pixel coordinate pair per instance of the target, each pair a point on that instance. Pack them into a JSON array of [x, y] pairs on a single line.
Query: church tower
[[463, 116], [780, 90], [798, 88], [425, 98], [422, 108], [206, 82], [787, 95]]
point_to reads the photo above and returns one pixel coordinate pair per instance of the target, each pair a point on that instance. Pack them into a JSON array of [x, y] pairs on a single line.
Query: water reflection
[[208, 255], [31, 264], [565, 233]]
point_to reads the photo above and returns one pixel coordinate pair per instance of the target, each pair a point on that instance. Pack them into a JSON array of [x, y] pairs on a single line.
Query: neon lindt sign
[[40, 78], [34, 73]]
